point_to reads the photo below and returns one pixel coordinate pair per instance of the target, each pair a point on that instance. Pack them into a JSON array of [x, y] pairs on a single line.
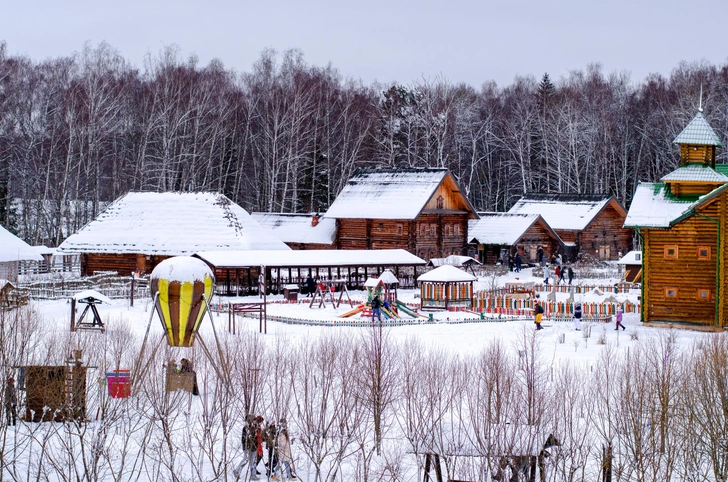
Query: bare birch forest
[[79, 131]]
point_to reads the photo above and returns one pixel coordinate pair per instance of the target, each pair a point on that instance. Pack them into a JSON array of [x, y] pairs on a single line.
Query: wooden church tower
[[683, 224]]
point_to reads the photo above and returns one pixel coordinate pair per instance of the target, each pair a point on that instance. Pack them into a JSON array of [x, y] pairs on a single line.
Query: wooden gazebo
[[445, 288]]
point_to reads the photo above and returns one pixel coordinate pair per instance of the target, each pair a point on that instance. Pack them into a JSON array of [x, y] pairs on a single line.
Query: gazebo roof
[[699, 132], [446, 274]]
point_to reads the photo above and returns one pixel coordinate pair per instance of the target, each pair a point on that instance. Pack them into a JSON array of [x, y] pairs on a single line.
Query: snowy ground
[[559, 342]]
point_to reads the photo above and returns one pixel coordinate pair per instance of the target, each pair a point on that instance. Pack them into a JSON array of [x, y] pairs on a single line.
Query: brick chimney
[[315, 220]]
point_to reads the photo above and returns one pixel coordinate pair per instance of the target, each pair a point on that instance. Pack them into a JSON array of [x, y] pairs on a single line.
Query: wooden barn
[[498, 235], [300, 231], [141, 229], [14, 251], [420, 210], [588, 224], [683, 223]]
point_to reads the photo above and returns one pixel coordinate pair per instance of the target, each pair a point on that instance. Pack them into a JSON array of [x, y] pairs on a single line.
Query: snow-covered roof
[[695, 172], [388, 278], [311, 258], [698, 131], [572, 212], [654, 206], [12, 248], [172, 224], [386, 193], [82, 295], [297, 228], [633, 257], [502, 228], [446, 274], [453, 260]]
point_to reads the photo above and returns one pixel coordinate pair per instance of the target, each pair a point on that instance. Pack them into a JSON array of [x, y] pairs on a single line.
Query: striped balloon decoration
[[179, 284]]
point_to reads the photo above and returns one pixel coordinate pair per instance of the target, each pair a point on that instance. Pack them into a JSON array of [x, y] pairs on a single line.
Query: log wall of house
[[537, 235], [124, 264], [677, 279], [606, 230]]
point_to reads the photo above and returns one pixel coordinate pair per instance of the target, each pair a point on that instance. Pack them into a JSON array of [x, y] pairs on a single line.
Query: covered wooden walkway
[[237, 273]]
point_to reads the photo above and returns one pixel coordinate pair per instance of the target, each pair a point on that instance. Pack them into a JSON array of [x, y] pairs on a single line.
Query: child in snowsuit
[[577, 317], [376, 308], [538, 310], [618, 319]]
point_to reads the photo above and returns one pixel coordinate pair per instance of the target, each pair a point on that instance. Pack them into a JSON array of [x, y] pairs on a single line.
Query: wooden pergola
[[237, 272]]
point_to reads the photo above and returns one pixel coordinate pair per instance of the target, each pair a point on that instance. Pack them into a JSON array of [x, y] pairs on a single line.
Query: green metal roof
[[722, 168], [696, 172], [699, 132]]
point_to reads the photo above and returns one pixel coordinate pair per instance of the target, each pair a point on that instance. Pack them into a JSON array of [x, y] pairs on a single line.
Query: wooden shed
[[631, 263], [420, 210], [141, 229], [55, 393], [13, 251], [498, 235], [683, 223], [588, 224]]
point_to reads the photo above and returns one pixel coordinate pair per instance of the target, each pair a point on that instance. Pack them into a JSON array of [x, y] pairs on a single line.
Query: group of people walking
[[538, 311], [256, 434]]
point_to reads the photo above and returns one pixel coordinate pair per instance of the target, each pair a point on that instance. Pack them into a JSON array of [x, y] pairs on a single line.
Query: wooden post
[[73, 314]]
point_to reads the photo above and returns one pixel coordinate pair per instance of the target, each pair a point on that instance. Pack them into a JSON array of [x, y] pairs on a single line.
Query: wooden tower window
[[400, 229], [671, 251], [671, 292], [703, 294], [704, 252], [440, 202]]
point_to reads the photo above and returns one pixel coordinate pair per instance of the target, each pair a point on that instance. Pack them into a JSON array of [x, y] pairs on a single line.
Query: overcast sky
[[386, 41]]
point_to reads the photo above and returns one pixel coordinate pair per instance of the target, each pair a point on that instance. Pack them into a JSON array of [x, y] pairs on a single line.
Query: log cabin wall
[[697, 153], [679, 281], [351, 234], [124, 264], [535, 236], [604, 237], [440, 235]]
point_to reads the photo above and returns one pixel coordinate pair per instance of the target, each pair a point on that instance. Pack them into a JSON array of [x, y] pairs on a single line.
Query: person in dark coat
[[519, 262], [269, 436], [310, 286], [570, 274], [250, 445], [510, 262], [11, 402], [539, 256], [376, 308]]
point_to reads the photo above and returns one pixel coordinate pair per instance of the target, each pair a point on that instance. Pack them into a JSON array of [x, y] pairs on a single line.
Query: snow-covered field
[[442, 386]]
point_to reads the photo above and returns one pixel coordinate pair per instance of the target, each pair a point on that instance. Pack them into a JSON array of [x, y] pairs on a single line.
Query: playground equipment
[[90, 298], [324, 292], [386, 288], [181, 287]]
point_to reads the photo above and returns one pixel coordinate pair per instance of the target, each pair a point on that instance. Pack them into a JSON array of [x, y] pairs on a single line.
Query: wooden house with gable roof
[[683, 223], [141, 229], [586, 223], [420, 210], [498, 235]]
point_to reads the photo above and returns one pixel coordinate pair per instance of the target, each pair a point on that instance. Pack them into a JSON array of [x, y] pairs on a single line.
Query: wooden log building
[[300, 231], [141, 229], [498, 235], [588, 224], [683, 224], [420, 210]]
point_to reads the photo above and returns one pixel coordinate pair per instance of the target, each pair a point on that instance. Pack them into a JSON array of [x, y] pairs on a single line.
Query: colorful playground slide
[[357, 309], [406, 309]]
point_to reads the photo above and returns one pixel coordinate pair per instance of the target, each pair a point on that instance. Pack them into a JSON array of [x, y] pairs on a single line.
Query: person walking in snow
[[11, 402], [284, 453], [376, 308], [270, 436], [519, 262], [539, 256], [557, 274], [546, 274], [538, 311], [570, 273], [577, 316], [310, 286], [618, 318], [250, 445]]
